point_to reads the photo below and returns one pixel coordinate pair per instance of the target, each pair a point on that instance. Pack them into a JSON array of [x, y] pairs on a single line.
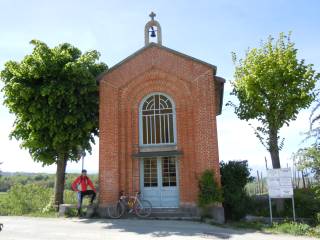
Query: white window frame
[[173, 118]]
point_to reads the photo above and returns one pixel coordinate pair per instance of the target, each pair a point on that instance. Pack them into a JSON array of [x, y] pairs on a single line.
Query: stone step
[[175, 218], [171, 213]]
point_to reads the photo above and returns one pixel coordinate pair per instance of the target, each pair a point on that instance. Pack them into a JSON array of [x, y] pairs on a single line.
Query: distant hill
[[27, 174], [9, 179]]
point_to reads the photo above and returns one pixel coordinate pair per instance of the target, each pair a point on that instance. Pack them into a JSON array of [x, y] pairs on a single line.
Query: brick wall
[[191, 86]]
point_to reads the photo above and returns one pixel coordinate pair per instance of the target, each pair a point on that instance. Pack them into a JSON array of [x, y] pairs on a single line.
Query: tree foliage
[[54, 96], [272, 85], [315, 120], [309, 158], [234, 177]]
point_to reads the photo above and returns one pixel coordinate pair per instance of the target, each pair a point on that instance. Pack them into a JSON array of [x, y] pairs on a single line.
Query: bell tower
[[152, 29]]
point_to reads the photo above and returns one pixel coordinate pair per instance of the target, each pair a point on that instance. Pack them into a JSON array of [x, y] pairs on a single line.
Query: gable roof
[[219, 81], [152, 44]]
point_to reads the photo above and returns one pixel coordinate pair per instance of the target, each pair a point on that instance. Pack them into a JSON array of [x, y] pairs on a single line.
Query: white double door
[[159, 181]]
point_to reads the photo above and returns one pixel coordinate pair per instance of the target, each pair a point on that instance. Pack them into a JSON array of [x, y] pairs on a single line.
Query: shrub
[[70, 197], [287, 227], [234, 177], [292, 228], [209, 192], [307, 205], [25, 199]]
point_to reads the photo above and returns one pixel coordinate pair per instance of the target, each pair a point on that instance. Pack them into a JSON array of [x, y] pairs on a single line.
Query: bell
[[153, 33]]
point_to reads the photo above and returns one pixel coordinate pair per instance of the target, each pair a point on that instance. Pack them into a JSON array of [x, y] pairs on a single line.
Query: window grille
[[150, 172], [158, 120], [169, 178]]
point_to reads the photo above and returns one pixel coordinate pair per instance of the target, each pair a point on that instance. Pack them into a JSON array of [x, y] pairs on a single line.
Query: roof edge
[[152, 44], [220, 81]]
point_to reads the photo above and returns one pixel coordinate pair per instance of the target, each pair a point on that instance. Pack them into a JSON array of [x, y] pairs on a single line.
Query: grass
[[292, 228], [32, 200]]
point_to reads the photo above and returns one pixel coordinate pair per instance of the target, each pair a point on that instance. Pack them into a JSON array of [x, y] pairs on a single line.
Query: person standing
[[80, 185]]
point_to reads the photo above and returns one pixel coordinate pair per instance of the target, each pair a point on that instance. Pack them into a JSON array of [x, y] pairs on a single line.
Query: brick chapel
[[158, 129]]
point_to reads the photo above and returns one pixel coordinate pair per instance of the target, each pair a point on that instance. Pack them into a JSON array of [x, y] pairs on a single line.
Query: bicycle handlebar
[[122, 194]]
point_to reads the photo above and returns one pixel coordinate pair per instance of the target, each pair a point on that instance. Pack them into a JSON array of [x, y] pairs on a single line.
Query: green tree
[[309, 158], [54, 95], [272, 85], [315, 120]]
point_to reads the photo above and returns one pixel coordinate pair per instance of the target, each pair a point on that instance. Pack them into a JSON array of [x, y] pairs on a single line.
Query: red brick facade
[[196, 93]]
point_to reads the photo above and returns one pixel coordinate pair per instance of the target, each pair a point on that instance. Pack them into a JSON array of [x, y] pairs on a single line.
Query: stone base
[[214, 212], [64, 208], [185, 212], [102, 212]]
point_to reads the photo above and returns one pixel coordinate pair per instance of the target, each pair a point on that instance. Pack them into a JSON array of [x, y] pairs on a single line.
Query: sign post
[[280, 186]]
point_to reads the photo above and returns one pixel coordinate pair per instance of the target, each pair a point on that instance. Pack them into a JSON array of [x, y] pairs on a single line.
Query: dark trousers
[[85, 193]]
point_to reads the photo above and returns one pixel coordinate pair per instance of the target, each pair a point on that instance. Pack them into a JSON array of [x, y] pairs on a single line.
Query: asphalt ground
[[30, 228]]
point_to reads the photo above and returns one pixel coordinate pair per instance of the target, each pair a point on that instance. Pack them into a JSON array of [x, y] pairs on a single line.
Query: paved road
[[27, 228]]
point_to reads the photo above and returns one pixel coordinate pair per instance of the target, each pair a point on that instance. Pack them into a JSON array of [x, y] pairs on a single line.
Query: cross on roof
[[152, 15]]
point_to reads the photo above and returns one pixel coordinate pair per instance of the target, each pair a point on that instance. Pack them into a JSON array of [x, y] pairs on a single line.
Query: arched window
[[157, 120]]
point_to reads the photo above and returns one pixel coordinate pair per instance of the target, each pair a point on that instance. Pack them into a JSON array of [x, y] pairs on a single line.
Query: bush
[[26, 199], [209, 192], [70, 197], [292, 228], [32, 199], [234, 177], [307, 205]]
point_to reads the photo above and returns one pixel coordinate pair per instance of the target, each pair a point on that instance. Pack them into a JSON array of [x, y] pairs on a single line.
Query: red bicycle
[[128, 204]]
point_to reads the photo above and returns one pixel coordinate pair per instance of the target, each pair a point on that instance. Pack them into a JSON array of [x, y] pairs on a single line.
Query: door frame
[[159, 173]]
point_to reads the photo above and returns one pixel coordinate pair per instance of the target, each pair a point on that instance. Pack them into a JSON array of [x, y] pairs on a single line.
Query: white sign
[[279, 183]]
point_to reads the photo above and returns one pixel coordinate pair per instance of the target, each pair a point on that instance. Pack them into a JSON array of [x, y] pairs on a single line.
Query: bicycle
[[128, 204]]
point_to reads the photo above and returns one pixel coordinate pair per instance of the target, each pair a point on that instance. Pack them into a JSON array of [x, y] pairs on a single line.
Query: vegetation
[[307, 205], [309, 158], [26, 199], [234, 177], [315, 120], [54, 96], [272, 85], [41, 180], [209, 192], [33, 194], [292, 228]]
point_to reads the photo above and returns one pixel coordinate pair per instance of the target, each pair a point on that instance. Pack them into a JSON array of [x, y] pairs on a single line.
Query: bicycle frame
[[128, 204], [127, 200]]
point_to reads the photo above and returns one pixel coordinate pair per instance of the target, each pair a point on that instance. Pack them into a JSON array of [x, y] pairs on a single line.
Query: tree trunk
[[274, 148], [274, 152], [60, 179]]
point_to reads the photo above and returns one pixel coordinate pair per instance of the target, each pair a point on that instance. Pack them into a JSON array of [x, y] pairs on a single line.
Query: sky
[[208, 30]]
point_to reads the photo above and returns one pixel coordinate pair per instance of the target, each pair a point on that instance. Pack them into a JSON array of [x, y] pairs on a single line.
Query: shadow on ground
[[165, 228]]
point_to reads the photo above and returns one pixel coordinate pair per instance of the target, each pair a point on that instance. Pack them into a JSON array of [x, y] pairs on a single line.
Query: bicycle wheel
[[143, 208], [116, 210]]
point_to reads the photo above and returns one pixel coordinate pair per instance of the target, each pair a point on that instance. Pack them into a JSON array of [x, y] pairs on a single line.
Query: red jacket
[[81, 184]]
